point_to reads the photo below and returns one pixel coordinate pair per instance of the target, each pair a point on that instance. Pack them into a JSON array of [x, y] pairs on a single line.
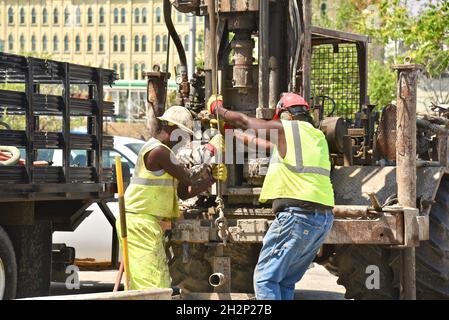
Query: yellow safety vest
[[304, 173], [151, 194]]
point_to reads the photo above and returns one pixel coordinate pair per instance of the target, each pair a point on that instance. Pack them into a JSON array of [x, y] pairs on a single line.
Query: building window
[[136, 15], [122, 71], [115, 47], [89, 43], [165, 43], [22, 16], [186, 42], [10, 15], [123, 15], [55, 16], [136, 72], [115, 15], [136, 43], [77, 44], [22, 43], [142, 70], [122, 43], [101, 43], [158, 15], [66, 16], [78, 16], [33, 43], [90, 16], [44, 43], [179, 16], [44, 16], [33, 16], [66, 43], [144, 15], [114, 67], [10, 43], [101, 18], [157, 41], [143, 47], [55, 43]]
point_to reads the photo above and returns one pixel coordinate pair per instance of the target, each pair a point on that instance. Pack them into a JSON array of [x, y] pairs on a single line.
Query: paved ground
[[317, 284]]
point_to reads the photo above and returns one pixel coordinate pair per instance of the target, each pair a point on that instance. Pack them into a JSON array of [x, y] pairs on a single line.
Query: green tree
[[423, 36]]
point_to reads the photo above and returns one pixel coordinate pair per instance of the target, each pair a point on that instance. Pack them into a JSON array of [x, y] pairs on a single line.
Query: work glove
[[214, 125], [220, 172], [216, 143], [214, 101]]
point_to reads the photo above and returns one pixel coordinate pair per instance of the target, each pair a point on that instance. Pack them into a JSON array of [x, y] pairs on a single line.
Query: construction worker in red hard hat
[[299, 186]]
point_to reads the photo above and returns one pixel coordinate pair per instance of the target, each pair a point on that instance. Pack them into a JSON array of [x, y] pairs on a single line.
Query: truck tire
[[351, 265], [432, 260], [33, 248], [193, 276], [8, 268]]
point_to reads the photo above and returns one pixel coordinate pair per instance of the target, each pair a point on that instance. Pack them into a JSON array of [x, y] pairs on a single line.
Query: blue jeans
[[289, 247]]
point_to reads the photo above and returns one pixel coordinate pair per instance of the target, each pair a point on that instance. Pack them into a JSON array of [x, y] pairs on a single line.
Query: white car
[[92, 239]]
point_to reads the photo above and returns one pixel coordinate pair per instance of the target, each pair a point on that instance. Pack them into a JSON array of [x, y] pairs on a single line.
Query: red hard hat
[[288, 100]]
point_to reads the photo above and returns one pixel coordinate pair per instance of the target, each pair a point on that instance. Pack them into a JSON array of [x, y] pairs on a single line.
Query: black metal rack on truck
[[37, 199]]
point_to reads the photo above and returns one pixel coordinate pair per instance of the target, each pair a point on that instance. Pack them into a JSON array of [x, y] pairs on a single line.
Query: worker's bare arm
[[242, 121], [187, 192], [261, 128], [160, 159], [252, 140]]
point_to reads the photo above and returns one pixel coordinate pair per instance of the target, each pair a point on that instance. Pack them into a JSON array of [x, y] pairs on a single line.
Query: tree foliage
[[420, 32]]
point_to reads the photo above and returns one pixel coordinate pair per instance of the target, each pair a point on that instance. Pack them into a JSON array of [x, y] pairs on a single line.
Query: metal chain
[[221, 222]]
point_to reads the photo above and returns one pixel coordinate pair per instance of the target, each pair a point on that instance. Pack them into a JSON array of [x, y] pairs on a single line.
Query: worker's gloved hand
[[216, 143], [214, 124], [220, 172], [214, 101]]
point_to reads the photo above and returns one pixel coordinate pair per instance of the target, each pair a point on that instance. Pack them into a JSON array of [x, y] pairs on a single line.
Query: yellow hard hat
[[180, 116]]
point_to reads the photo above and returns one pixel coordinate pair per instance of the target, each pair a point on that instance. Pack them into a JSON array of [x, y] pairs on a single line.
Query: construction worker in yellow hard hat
[[151, 199], [299, 186]]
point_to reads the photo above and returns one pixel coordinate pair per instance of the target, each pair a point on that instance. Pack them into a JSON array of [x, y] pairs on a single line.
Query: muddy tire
[[350, 264], [33, 248], [8, 267], [432, 260], [193, 274]]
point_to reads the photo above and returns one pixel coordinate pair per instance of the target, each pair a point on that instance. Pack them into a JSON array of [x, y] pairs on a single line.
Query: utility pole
[[192, 46]]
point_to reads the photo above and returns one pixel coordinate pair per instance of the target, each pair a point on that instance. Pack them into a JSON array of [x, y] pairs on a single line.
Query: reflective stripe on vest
[[149, 193], [299, 167], [302, 174], [153, 182]]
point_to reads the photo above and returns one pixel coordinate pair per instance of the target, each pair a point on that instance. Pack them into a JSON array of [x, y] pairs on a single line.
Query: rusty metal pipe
[[263, 52], [406, 165], [273, 86], [342, 211], [347, 151], [217, 279], [212, 43]]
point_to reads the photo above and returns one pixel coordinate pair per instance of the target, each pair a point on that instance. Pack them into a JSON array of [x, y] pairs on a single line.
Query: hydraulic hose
[[173, 34]]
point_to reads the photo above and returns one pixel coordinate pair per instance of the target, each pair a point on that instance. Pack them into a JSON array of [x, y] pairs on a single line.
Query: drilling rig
[[389, 163]]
